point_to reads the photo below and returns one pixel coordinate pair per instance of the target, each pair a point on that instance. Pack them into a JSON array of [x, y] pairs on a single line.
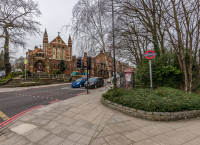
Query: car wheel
[[95, 86]]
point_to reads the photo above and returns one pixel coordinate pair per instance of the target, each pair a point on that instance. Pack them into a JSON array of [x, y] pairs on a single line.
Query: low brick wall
[[156, 116]]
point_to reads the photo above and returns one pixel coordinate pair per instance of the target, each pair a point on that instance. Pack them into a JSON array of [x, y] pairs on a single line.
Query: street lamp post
[[113, 30]]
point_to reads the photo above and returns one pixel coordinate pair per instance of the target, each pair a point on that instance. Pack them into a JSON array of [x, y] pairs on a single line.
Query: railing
[[50, 76]]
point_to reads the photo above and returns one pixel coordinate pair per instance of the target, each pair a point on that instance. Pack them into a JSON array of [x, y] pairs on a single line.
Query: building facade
[[99, 68], [48, 58]]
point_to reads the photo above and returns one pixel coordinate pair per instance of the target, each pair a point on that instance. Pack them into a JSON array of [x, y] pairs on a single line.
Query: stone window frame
[[58, 52], [54, 50], [62, 57]]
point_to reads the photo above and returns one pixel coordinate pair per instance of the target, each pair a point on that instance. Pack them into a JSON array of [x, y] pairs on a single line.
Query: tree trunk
[[154, 30], [107, 64], [180, 47], [6, 52]]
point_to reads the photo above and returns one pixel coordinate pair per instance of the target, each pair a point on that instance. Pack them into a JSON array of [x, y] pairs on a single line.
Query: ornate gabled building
[[48, 58]]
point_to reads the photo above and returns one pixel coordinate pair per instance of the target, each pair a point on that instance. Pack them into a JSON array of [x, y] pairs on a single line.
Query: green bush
[[56, 72], [159, 100], [165, 72], [6, 79]]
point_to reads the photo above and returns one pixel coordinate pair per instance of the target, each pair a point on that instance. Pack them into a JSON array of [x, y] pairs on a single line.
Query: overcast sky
[[55, 15]]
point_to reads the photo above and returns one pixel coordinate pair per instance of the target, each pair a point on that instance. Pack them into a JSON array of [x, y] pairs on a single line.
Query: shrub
[[159, 100], [56, 72], [165, 72]]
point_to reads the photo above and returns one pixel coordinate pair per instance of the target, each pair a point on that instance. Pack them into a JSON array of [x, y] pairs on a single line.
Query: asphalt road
[[12, 103]]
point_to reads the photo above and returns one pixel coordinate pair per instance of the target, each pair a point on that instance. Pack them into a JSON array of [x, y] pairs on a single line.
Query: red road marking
[[54, 101], [81, 93], [18, 115]]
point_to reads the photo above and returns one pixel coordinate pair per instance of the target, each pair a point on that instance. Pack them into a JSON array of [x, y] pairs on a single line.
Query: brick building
[[99, 68], [48, 58]]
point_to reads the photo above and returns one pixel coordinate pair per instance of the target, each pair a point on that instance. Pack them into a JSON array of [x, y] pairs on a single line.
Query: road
[[14, 102]]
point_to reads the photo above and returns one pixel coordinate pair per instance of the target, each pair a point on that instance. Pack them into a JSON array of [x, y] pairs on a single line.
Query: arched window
[[54, 52], [62, 53], [58, 52]]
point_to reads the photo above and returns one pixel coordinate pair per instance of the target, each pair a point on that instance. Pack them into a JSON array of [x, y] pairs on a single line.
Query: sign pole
[[25, 62], [25, 72], [87, 77], [150, 69], [150, 54]]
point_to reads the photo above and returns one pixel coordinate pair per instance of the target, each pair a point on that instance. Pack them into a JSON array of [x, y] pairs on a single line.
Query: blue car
[[79, 82]]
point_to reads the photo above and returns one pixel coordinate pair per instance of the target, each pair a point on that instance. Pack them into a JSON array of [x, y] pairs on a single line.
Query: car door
[[98, 82], [81, 83], [102, 82], [84, 80]]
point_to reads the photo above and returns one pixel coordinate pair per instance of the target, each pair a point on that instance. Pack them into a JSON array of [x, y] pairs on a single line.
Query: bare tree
[[183, 22], [91, 26], [17, 19], [19, 63], [131, 43], [148, 14], [172, 26]]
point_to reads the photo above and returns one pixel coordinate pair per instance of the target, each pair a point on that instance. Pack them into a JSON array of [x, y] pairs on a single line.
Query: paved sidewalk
[[84, 120]]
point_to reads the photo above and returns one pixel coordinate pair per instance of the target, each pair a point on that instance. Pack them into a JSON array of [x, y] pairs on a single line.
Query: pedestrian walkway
[[84, 120]]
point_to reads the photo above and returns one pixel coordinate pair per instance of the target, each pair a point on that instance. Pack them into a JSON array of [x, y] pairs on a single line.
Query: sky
[[55, 15]]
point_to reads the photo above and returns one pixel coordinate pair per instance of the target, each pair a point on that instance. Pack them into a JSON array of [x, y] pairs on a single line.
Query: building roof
[[58, 37], [31, 52]]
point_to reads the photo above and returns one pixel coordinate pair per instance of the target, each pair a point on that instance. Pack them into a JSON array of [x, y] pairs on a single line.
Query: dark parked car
[[95, 82], [79, 82]]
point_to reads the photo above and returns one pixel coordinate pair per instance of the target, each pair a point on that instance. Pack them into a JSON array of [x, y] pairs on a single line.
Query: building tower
[[70, 47], [45, 42]]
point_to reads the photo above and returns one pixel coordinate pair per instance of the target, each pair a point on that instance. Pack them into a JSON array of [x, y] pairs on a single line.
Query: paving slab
[[23, 128], [37, 135]]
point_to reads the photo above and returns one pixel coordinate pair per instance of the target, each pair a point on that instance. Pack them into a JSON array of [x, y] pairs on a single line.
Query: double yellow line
[[3, 116]]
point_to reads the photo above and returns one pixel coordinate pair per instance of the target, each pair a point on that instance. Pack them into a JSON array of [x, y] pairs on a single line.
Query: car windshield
[[78, 80], [92, 80]]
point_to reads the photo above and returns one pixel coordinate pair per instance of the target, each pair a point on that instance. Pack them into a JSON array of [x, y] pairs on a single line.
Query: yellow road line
[[3, 116]]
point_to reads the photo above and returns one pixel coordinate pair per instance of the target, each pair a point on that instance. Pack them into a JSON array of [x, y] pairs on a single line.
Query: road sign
[[25, 61], [150, 54]]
